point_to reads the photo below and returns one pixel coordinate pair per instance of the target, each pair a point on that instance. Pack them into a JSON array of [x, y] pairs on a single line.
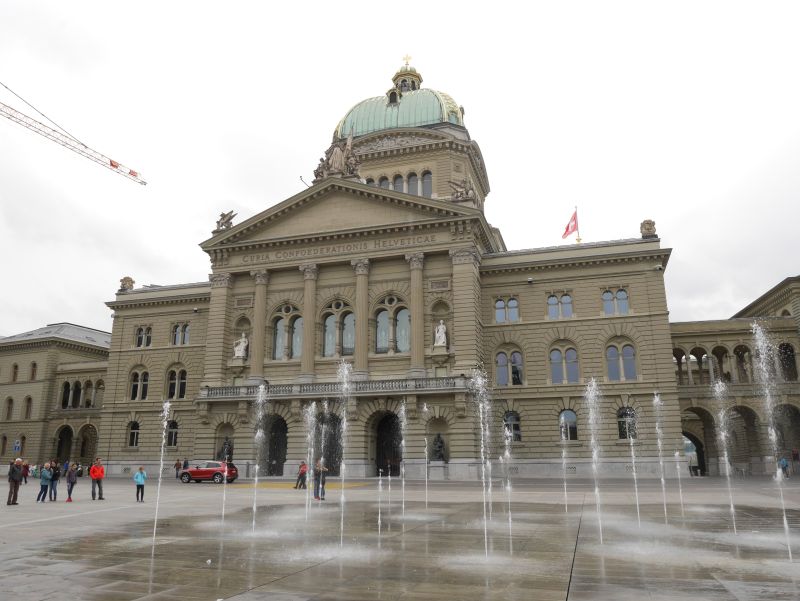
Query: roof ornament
[[339, 161], [648, 229], [462, 191], [406, 59], [225, 221], [126, 284]]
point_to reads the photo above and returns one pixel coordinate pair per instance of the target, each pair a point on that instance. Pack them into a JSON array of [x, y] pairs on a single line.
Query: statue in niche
[[339, 160], [438, 448], [440, 334], [240, 347], [226, 452]]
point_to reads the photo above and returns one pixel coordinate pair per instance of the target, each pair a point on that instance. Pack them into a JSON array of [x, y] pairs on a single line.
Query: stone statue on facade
[[226, 452], [126, 284], [339, 160], [463, 190], [648, 229], [225, 221], [240, 347], [440, 338], [438, 448]]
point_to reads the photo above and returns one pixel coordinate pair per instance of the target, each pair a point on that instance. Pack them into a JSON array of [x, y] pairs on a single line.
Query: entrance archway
[[328, 442], [87, 444], [699, 450], [64, 443], [276, 446], [388, 445]]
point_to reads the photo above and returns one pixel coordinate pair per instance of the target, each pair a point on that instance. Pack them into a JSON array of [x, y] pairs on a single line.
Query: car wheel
[[217, 478], [186, 478]]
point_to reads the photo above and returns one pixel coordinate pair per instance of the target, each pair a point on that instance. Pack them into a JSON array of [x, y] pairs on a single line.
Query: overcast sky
[[687, 113]]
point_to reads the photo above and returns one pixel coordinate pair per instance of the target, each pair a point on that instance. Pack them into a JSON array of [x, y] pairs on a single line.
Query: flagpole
[[577, 226]]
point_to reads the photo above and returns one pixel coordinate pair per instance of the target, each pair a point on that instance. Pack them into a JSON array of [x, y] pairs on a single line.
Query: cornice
[[605, 259], [49, 342], [162, 300]]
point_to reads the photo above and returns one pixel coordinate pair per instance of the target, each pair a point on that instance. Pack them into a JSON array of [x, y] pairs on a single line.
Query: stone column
[[466, 309], [360, 367], [417, 306], [310, 272], [217, 349], [733, 368], [257, 336]]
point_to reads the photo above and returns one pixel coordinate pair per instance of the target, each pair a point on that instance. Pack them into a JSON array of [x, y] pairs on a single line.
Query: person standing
[[72, 479], [97, 472], [26, 470], [14, 478], [178, 466], [55, 469], [693, 464], [302, 474], [185, 463], [140, 477], [319, 481], [784, 465], [44, 482]]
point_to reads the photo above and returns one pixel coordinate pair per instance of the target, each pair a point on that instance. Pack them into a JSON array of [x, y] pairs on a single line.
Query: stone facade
[[364, 269]]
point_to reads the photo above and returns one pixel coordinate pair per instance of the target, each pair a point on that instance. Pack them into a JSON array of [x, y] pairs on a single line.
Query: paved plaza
[[103, 550]]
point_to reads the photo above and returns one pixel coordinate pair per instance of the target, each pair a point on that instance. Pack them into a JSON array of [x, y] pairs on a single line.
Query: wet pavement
[[103, 550]]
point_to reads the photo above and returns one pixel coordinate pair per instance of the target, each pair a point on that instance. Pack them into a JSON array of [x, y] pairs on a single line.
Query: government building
[[387, 262]]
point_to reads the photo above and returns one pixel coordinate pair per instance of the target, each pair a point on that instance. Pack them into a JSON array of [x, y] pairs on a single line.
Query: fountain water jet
[[721, 396], [564, 471], [659, 442], [765, 367], [380, 495], [310, 419], [164, 421], [344, 375], [260, 437], [479, 389], [403, 426], [591, 397], [425, 411], [680, 486], [505, 459]]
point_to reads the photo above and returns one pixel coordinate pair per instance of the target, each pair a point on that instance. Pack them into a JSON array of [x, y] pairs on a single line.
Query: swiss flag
[[114, 164], [572, 226], [133, 173]]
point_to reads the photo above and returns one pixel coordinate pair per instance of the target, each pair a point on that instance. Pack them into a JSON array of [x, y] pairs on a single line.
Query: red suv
[[210, 470]]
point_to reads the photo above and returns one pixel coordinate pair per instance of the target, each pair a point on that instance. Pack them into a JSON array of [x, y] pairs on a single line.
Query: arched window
[[139, 385], [427, 184], [33, 371], [279, 338], [612, 361], [14, 372], [564, 366], [9, 409], [384, 183], [553, 311], [382, 332], [501, 361], [22, 441], [370, 181], [172, 434], [134, 386], [615, 303], [559, 307], [629, 362], [65, 392], [513, 310], [348, 334], [620, 363], [393, 98], [566, 305], [133, 434], [76, 394], [626, 423], [148, 336], [3, 444], [568, 424], [398, 183], [403, 330], [172, 384], [139, 337], [622, 302], [297, 338], [608, 302], [413, 184], [329, 336], [28, 407], [182, 384], [787, 361], [516, 368], [500, 311], [145, 381], [176, 335], [511, 426]]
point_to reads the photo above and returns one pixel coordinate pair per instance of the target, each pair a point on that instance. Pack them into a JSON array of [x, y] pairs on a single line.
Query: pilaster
[[310, 273], [218, 317], [360, 367], [466, 308], [417, 306], [257, 340]]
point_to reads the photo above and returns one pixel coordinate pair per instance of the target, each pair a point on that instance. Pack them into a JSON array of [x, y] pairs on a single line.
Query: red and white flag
[[572, 226]]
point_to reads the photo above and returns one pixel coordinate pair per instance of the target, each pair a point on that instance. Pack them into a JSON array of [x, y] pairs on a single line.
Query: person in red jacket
[[97, 472], [302, 473]]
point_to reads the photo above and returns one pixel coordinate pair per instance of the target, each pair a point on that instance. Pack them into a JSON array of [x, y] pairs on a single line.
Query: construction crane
[[69, 142]]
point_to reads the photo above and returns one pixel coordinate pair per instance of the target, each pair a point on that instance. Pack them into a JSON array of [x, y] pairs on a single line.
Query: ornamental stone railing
[[323, 389]]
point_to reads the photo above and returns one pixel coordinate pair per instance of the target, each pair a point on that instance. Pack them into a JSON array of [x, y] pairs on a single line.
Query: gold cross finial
[[407, 58]]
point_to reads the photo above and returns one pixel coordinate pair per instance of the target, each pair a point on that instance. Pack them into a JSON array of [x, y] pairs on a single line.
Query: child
[[319, 481], [44, 482], [72, 479], [139, 477], [301, 475]]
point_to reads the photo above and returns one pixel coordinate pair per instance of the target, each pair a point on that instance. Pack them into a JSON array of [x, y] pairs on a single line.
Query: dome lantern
[[406, 79]]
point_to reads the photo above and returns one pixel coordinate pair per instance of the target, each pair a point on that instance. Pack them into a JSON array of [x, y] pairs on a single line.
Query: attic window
[[393, 98]]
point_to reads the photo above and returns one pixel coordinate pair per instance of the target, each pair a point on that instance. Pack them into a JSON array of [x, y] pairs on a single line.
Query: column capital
[[310, 271], [415, 260], [361, 266], [261, 276], [460, 256], [220, 280]]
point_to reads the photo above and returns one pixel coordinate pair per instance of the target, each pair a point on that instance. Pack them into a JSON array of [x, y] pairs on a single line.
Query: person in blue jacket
[[140, 477], [44, 481]]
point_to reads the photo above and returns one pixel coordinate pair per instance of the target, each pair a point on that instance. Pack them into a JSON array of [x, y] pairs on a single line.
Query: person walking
[[319, 481], [55, 469], [784, 465], [302, 474], [97, 472], [26, 470], [72, 479], [44, 482], [14, 478], [178, 466], [140, 477]]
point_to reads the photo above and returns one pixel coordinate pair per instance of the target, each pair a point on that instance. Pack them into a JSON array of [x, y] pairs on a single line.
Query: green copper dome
[[400, 107]]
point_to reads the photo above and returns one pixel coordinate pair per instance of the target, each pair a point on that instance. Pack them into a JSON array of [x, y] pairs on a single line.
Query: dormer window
[[393, 98], [404, 85]]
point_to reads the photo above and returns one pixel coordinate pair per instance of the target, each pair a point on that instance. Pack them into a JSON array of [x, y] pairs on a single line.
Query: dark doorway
[[699, 450], [87, 437], [64, 448], [389, 451], [328, 442], [276, 455]]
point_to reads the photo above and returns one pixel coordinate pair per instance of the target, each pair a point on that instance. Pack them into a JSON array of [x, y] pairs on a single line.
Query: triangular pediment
[[338, 206]]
